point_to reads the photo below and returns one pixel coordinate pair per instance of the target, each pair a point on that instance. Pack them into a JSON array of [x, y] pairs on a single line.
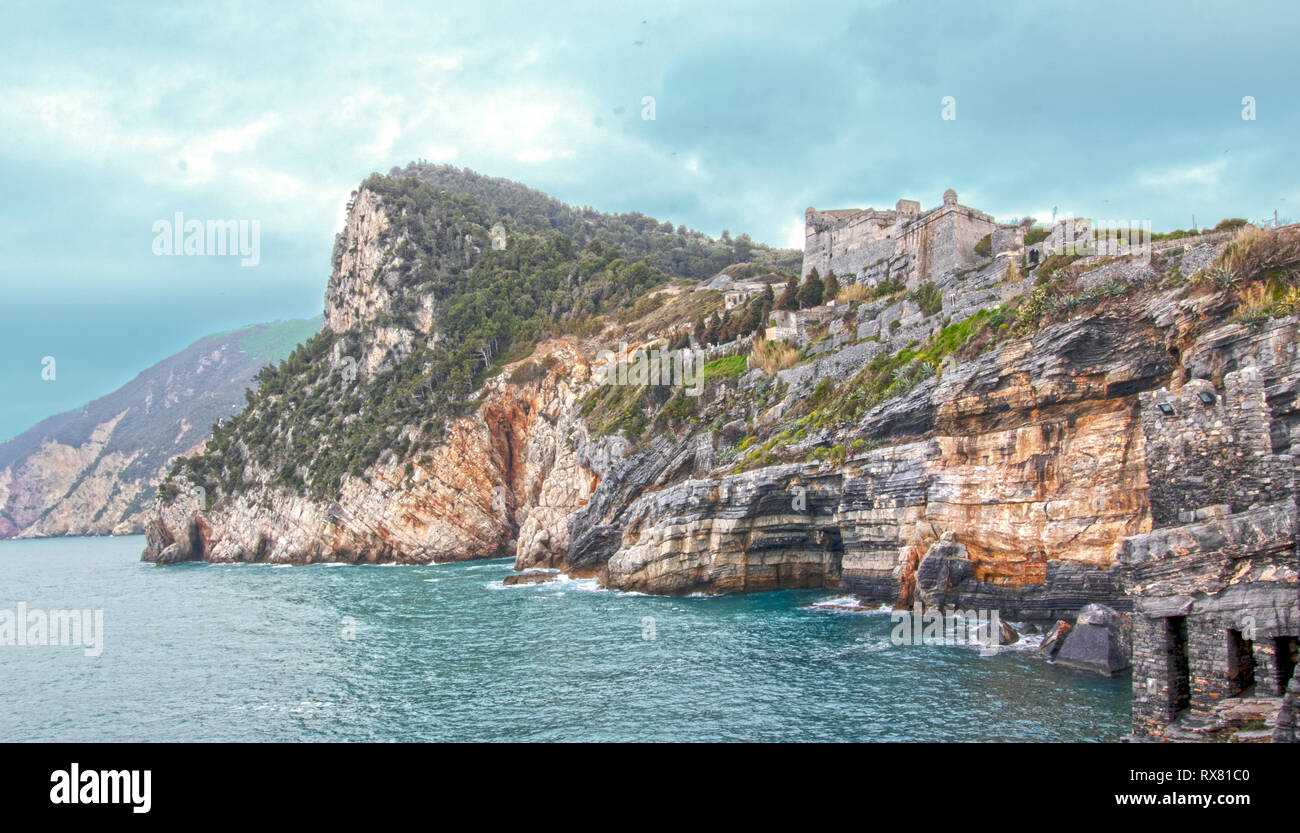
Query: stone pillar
[[1207, 656], [1151, 676], [1266, 682]]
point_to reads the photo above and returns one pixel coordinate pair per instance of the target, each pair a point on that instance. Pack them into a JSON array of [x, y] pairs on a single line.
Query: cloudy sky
[[115, 118]]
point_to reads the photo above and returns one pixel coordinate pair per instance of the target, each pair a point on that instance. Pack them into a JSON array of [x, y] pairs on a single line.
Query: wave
[[850, 604]]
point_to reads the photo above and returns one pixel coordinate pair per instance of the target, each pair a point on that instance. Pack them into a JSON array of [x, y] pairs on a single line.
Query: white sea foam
[[850, 604], [1027, 642]]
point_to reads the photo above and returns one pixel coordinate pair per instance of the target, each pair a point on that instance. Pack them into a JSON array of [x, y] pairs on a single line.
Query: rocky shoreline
[[1008, 478]]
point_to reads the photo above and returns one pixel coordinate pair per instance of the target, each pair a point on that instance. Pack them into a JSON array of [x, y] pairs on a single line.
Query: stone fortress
[[936, 248], [909, 247], [905, 244]]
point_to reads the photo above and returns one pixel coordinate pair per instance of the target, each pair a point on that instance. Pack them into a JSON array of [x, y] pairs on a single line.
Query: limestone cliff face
[[1031, 470], [363, 291], [59, 488], [504, 483]]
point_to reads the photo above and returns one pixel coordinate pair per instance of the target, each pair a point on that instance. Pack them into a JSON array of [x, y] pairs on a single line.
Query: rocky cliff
[[95, 471], [978, 443]]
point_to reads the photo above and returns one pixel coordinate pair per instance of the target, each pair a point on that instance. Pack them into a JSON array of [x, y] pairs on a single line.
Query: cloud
[[1200, 175], [112, 116], [794, 235]]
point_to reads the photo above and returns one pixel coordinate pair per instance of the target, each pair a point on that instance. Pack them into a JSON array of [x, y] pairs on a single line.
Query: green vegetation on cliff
[[563, 270]]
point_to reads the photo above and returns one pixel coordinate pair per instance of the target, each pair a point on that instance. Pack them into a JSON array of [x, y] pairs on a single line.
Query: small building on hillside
[[739, 293]]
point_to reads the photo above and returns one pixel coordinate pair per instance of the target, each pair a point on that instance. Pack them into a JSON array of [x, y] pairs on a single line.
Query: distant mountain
[[94, 471]]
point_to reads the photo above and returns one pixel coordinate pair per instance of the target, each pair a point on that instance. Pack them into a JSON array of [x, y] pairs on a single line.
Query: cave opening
[[1180, 682], [1287, 651]]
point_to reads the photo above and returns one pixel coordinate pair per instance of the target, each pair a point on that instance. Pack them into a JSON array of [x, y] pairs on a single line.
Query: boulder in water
[[531, 577], [1100, 642]]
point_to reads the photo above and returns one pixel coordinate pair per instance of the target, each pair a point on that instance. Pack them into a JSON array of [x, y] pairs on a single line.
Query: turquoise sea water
[[202, 652]]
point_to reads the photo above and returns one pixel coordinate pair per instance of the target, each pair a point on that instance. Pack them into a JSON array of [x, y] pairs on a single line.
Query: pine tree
[[790, 297], [714, 330], [832, 286], [810, 294]]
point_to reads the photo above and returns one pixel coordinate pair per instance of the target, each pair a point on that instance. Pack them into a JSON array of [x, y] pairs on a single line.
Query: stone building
[[1215, 586], [739, 293], [865, 245], [793, 325]]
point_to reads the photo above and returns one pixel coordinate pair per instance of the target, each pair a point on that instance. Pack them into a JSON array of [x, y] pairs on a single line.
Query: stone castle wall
[[847, 242], [867, 245], [1212, 452]]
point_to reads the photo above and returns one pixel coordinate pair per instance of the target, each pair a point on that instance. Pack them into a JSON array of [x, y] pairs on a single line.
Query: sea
[[446, 652]]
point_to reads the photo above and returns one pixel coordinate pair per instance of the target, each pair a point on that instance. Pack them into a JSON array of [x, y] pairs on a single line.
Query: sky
[[117, 116]]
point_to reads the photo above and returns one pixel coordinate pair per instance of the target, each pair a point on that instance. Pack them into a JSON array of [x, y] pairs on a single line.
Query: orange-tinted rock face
[[505, 481], [1066, 486], [1064, 489], [1030, 477]]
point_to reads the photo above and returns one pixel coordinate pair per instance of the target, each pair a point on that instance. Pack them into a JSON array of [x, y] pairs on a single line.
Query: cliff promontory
[[503, 375]]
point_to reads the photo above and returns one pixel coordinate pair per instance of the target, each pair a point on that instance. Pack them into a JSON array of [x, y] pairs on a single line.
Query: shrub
[[886, 288], [984, 247], [929, 298], [1288, 303], [681, 407], [824, 390], [831, 287], [1048, 268], [790, 296], [810, 294], [1037, 235], [530, 371], [1223, 278], [1256, 306], [1254, 254], [1047, 303], [643, 307], [1238, 253], [1262, 301]]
